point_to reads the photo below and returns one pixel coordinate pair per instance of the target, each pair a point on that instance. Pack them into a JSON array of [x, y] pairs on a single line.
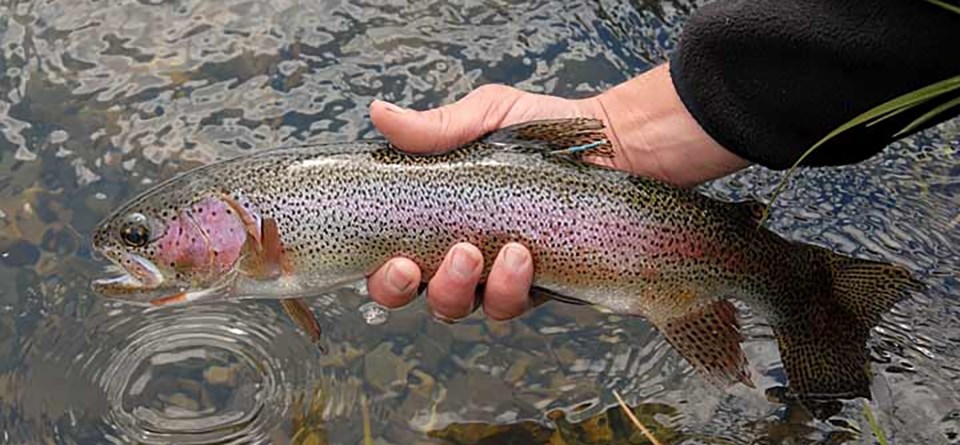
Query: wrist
[[656, 136]]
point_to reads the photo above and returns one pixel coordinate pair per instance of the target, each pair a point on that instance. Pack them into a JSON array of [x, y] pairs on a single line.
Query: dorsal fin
[[752, 208], [575, 137]]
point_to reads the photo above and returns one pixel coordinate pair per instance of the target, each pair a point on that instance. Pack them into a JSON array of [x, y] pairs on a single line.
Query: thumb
[[447, 127]]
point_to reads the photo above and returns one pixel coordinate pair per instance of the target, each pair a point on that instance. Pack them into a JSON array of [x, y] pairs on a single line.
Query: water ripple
[[151, 403], [223, 373]]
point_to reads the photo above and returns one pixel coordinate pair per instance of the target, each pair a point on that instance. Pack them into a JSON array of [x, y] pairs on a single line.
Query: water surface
[[101, 99]]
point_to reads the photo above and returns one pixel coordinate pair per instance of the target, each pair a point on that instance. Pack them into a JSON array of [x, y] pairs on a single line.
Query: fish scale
[[320, 217]]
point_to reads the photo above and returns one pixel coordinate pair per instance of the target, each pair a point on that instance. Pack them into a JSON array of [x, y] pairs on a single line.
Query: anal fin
[[301, 314], [709, 338]]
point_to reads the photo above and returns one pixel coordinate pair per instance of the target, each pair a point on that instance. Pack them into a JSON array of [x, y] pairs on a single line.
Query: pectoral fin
[[709, 338], [301, 314], [576, 137]]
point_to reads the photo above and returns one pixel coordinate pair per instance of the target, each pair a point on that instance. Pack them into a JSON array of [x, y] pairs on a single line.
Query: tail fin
[[823, 345]]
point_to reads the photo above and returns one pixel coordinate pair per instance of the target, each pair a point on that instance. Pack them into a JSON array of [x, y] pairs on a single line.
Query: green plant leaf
[[946, 5], [928, 115], [874, 115], [897, 111], [874, 426]]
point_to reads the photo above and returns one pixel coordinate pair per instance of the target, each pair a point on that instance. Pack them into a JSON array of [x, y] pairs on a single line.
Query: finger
[[452, 291], [508, 286], [449, 126], [395, 283]]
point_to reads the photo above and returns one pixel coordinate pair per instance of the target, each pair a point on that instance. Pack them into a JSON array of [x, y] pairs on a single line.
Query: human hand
[[652, 135], [451, 291]]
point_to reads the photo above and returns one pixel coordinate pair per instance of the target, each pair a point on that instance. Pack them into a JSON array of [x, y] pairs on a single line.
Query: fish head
[[171, 247]]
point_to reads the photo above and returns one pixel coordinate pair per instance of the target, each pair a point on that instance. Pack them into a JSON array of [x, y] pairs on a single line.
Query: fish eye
[[134, 231]]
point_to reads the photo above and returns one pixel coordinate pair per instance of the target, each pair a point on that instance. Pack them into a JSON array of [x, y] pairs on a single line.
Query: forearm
[[658, 137]]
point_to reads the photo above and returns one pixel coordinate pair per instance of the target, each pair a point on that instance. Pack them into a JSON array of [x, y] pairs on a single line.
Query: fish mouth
[[140, 281], [138, 275]]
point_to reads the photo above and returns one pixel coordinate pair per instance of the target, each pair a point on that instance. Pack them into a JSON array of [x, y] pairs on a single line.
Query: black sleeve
[[769, 78]]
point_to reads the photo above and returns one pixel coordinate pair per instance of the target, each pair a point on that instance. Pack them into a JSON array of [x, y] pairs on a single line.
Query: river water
[[99, 99]]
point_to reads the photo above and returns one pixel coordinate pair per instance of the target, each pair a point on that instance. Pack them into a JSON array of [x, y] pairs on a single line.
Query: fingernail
[[398, 280], [463, 263], [443, 318], [514, 257], [393, 108]]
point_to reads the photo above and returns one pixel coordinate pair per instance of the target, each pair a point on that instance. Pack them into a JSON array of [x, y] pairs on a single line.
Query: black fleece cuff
[[769, 78]]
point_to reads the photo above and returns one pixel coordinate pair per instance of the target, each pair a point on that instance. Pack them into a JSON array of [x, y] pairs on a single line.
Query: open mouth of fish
[[132, 277], [138, 279]]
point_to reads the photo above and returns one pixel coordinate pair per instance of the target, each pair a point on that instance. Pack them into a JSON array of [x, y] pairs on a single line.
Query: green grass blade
[[902, 103], [880, 112], [946, 5], [928, 115], [874, 426], [898, 111], [897, 105]]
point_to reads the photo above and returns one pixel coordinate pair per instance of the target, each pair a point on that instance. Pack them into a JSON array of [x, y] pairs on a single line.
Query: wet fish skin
[[297, 222]]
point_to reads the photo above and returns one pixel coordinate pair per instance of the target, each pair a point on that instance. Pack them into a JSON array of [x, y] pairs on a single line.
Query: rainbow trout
[[296, 222]]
